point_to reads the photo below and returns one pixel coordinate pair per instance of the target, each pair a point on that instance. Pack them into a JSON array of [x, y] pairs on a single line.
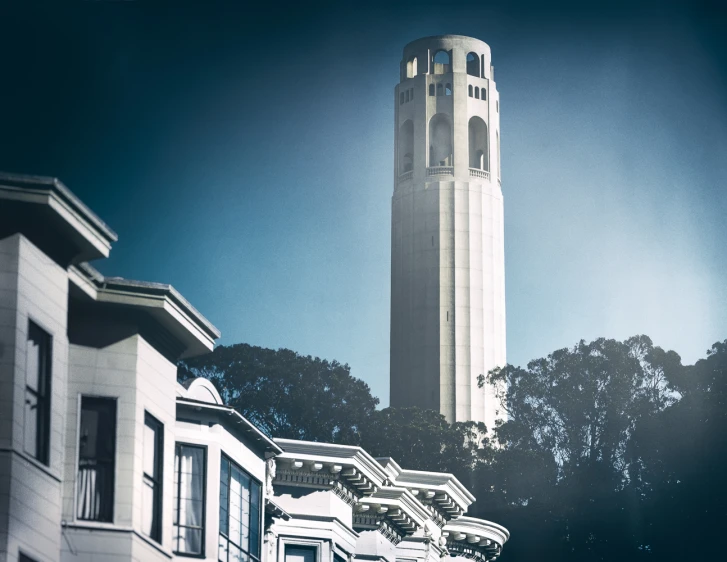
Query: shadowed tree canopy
[[286, 394], [582, 404], [423, 440], [680, 457]]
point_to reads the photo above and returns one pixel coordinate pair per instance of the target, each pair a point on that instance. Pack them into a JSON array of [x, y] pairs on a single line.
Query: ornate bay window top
[[440, 490], [353, 465], [396, 504], [476, 539]]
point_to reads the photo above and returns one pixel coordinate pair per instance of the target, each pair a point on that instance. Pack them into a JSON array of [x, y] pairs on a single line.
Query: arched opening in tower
[[440, 140], [473, 65], [478, 144], [406, 146], [411, 67], [441, 63]]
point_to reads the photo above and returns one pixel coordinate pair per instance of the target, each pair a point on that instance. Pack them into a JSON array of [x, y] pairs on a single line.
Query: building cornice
[[44, 209], [230, 417], [353, 465], [161, 301], [475, 538]]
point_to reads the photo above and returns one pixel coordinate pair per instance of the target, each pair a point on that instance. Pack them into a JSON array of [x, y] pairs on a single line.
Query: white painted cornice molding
[[472, 535], [353, 464]]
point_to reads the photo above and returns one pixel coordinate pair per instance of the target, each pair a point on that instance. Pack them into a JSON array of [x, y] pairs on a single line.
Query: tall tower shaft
[[447, 240]]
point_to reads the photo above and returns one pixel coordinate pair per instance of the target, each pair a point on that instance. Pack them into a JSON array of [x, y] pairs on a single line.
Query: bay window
[[239, 539]]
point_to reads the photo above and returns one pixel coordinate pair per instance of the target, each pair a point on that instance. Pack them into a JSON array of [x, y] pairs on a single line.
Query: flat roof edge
[[54, 185]]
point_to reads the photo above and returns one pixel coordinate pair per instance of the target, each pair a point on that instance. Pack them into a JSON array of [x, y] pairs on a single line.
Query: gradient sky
[[245, 156]]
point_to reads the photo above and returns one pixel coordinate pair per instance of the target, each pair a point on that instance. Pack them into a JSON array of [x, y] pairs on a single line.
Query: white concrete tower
[[447, 242]]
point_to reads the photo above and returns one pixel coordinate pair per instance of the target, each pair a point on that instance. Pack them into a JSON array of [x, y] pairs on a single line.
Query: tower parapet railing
[[440, 171], [405, 176], [477, 173]]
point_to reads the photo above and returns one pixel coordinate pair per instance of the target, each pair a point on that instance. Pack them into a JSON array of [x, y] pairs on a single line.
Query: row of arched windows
[[441, 64], [440, 143], [476, 92], [441, 89], [407, 96]]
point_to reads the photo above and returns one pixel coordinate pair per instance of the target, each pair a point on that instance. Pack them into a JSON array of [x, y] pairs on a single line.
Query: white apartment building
[[104, 456]]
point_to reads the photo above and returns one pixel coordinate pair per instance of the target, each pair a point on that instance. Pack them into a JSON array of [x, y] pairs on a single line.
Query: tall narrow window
[[477, 92], [440, 140], [151, 519], [483, 93], [189, 496], [477, 130], [239, 514], [401, 98], [448, 90], [96, 453], [406, 147], [38, 359], [469, 90], [431, 89]]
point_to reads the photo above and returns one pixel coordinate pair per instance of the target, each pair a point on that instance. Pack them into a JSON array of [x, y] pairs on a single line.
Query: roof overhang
[[163, 303], [398, 505], [231, 419], [353, 465], [441, 490], [45, 211]]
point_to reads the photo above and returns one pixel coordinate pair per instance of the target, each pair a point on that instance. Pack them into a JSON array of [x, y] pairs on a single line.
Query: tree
[[580, 407], [423, 440], [681, 454], [286, 394], [582, 404]]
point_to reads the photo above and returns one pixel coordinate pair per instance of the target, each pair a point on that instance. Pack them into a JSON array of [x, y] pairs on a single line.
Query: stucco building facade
[[105, 456], [447, 241]]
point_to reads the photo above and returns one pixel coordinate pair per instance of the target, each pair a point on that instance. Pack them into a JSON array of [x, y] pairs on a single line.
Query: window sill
[[35, 462]]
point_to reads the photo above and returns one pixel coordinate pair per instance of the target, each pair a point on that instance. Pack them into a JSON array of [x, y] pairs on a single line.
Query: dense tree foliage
[[286, 394], [611, 449]]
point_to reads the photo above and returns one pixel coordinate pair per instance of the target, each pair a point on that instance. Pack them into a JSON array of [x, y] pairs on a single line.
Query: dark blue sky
[[244, 154]]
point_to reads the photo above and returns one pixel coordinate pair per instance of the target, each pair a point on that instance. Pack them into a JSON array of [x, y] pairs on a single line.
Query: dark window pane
[[96, 459], [152, 479], [30, 432], [38, 359]]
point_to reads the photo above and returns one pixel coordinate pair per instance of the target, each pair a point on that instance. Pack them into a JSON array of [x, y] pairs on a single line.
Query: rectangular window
[[96, 459], [239, 514], [38, 359], [189, 495], [151, 520], [299, 553]]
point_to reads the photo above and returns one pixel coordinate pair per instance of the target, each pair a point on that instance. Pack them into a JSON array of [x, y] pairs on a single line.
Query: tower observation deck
[[447, 240]]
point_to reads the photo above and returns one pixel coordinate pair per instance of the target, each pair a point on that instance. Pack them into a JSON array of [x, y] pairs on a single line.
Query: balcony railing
[[440, 171], [405, 176], [477, 173]]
